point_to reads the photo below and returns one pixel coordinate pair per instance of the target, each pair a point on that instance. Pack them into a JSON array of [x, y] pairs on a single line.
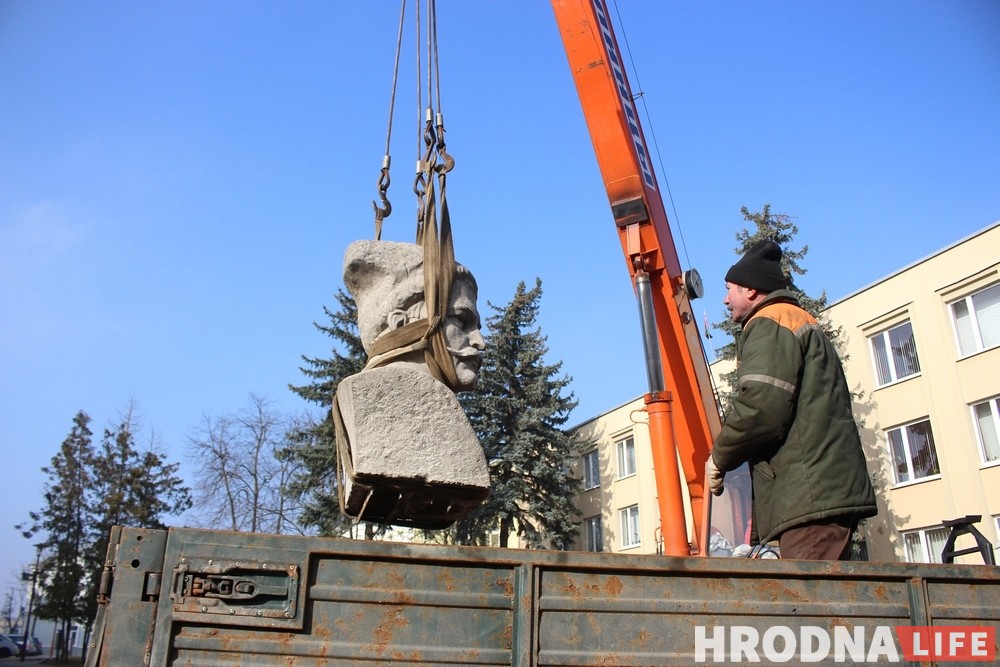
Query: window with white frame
[[977, 320], [987, 418], [626, 457], [595, 536], [894, 354], [591, 470], [630, 526], [913, 453], [926, 545], [996, 544]]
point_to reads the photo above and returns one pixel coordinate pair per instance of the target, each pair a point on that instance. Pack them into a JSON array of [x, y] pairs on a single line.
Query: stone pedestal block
[[412, 457]]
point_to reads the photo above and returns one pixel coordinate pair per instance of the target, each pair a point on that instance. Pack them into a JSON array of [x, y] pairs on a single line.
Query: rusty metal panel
[[123, 632], [240, 599], [369, 602], [647, 613], [650, 618]]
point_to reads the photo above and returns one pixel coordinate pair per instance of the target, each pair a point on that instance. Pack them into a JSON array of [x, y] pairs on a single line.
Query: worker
[[790, 419]]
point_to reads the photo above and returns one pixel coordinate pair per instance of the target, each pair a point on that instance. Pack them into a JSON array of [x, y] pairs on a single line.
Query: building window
[[913, 454], [977, 321], [895, 354], [630, 526], [595, 537], [591, 470], [996, 545], [626, 457], [987, 416], [925, 546]]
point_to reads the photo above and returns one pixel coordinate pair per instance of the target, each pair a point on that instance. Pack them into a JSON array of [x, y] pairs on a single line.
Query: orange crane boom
[[683, 413]]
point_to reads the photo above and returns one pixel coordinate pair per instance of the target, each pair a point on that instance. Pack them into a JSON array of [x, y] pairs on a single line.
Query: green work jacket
[[791, 420]]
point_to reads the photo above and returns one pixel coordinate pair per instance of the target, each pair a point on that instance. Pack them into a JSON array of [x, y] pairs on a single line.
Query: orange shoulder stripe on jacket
[[786, 315]]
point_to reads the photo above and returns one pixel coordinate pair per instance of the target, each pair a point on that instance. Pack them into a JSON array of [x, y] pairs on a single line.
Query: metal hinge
[[104, 587]]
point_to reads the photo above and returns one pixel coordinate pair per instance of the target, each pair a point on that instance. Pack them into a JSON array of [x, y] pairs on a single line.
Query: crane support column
[[673, 525], [644, 232]]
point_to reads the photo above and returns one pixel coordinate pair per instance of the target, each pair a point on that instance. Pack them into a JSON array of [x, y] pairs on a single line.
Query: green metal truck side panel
[[249, 599]]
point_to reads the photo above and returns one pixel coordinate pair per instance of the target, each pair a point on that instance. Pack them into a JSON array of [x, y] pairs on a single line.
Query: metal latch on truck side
[[235, 588], [231, 588]]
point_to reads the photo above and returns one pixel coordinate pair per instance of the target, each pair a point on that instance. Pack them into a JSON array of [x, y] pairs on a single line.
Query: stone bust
[[407, 454]]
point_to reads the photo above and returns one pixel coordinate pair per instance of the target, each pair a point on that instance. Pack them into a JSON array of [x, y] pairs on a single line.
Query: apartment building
[[618, 504], [922, 352], [922, 347]]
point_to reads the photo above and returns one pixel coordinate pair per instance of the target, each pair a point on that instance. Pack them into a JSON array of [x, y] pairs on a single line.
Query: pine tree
[[130, 488], [133, 487], [314, 442], [88, 492], [65, 521], [517, 412]]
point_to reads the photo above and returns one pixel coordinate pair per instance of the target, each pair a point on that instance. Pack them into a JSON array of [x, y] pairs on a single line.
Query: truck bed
[[205, 597]]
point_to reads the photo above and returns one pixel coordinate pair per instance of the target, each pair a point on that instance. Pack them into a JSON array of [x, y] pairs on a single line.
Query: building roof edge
[[909, 266]]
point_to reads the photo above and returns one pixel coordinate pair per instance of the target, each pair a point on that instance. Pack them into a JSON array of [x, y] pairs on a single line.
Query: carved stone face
[[462, 332], [386, 280], [462, 326]]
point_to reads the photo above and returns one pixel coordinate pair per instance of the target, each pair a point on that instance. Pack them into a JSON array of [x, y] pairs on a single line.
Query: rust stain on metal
[[346, 627], [641, 640], [403, 597], [396, 584], [384, 630], [572, 589], [507, 584], [395, 581], [448, 581], [595, 627], [613, 586], [777, 590]]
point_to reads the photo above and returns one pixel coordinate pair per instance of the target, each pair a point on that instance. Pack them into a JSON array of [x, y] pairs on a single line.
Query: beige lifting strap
[[427, 334]]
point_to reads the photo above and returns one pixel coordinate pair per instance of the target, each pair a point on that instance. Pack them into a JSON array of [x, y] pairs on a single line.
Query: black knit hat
[[759, 268]]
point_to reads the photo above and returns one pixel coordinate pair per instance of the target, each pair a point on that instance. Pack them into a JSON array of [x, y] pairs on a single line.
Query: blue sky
[[178, 181]]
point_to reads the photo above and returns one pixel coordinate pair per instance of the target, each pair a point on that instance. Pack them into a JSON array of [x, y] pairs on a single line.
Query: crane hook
[[383, 188]]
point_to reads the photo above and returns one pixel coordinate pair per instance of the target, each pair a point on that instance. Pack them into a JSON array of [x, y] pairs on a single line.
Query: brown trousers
[[828, 539]]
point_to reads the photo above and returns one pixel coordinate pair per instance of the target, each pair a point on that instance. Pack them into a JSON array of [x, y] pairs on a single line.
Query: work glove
[[715, 477]]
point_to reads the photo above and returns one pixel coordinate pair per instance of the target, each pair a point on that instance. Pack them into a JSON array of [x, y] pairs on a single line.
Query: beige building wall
[[941, 393], [619, 488], [948, 384]]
